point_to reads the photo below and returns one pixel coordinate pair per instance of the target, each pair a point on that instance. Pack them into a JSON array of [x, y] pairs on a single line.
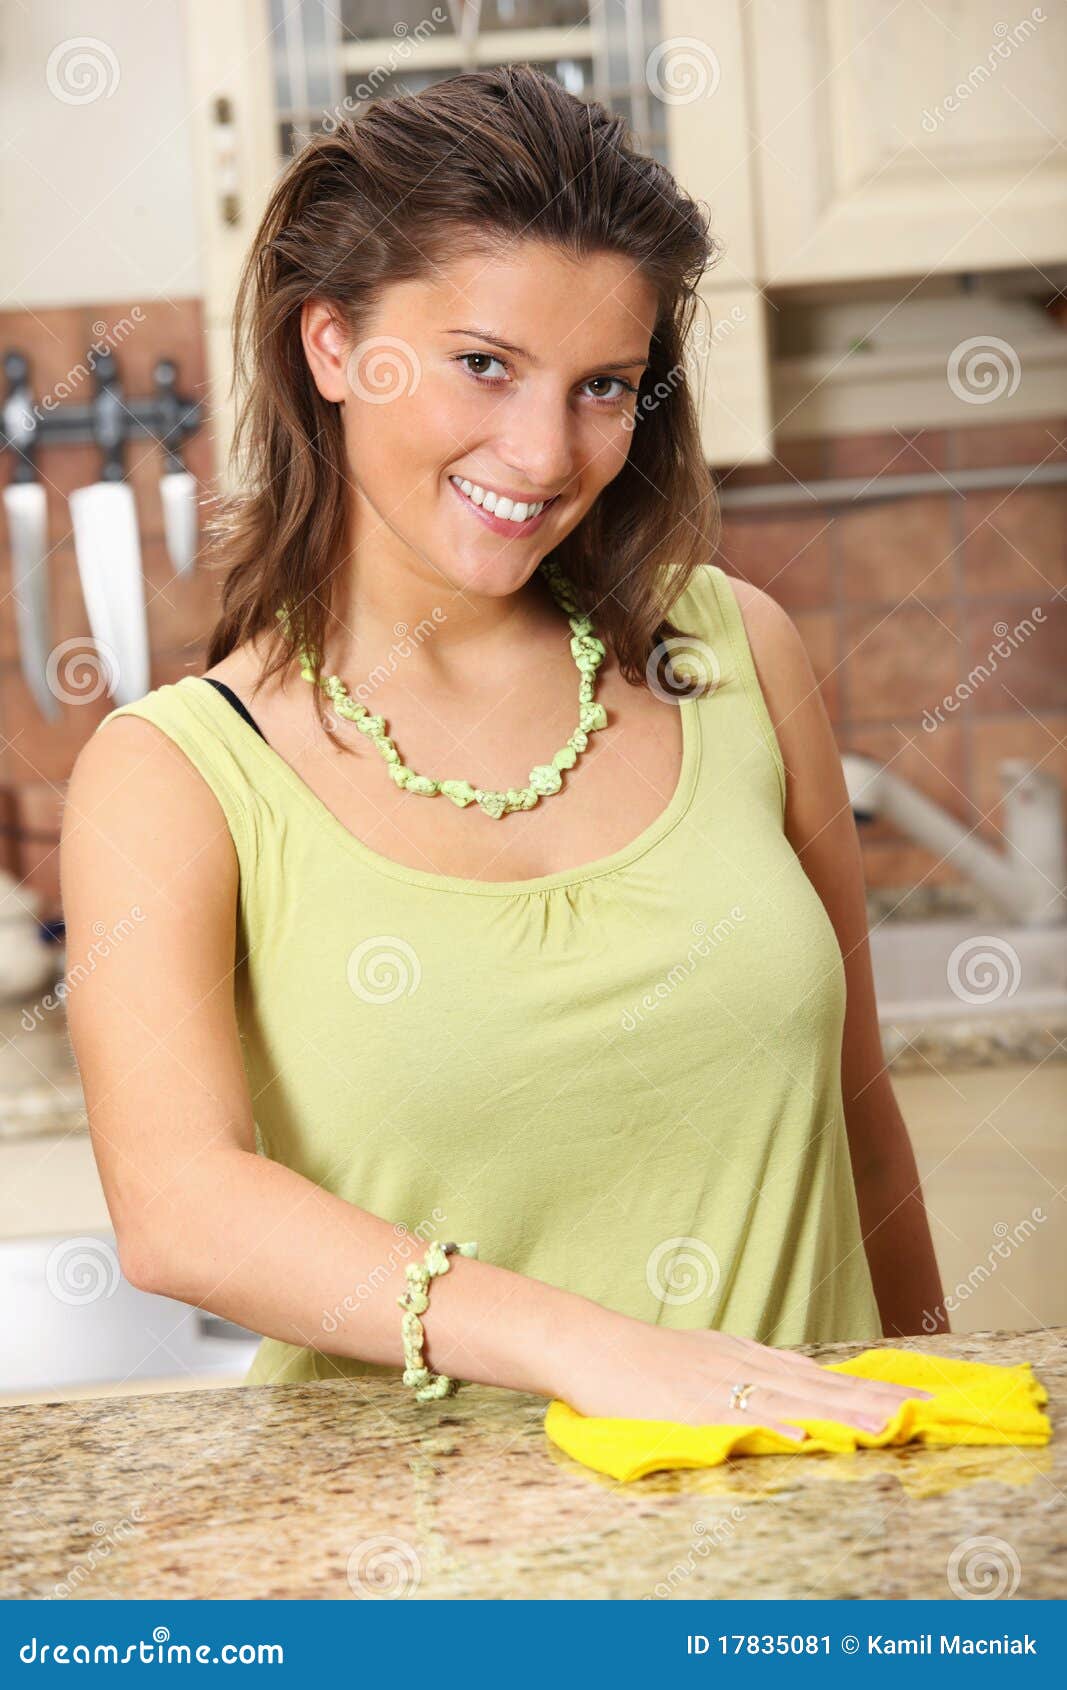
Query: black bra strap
[[232, 698]]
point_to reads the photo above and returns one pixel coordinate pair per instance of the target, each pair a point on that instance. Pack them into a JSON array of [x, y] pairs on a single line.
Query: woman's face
[[503, 378]]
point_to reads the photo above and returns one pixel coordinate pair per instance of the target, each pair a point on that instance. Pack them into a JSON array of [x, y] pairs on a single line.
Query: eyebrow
[[520, 352]]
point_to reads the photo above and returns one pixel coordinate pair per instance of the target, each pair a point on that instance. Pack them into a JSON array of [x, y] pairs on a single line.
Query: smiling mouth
[[514, 511]]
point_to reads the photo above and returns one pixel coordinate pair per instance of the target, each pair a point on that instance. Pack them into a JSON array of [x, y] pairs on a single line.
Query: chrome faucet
[[1028, 879]]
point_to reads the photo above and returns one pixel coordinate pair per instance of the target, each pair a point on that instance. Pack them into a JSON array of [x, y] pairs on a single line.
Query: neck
[[382, 610]]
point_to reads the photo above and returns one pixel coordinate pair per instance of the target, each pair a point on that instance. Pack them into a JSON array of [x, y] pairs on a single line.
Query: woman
[[590, 1017]]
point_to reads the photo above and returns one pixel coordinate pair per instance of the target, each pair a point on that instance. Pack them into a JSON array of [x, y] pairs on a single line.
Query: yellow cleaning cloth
[[973, 1403]]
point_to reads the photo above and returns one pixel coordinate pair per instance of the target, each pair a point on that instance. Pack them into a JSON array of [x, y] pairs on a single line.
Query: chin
[[491, 577]]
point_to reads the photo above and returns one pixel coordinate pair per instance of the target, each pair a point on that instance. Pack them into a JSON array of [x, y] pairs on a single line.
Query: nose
[[539, 445]]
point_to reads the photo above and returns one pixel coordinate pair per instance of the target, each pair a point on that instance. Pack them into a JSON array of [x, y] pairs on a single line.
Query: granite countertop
[[350, 1489]]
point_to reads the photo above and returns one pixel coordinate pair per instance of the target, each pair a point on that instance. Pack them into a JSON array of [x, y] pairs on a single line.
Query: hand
[[641, 1372]]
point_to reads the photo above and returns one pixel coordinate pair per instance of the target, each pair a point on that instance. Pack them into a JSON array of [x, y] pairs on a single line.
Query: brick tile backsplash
[[902, 601], [889, 550], [1015, 541], [897, 600]]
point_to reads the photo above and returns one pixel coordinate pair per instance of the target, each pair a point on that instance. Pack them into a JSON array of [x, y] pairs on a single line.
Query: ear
[[326, 348]]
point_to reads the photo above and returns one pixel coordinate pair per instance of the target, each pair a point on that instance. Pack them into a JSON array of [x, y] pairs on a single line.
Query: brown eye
[[485, 358]]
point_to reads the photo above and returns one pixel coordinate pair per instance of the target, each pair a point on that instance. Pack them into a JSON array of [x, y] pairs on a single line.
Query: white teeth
[[490, 501]]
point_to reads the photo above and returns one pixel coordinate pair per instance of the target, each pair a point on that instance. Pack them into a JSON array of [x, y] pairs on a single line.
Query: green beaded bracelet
[[416, 1300]]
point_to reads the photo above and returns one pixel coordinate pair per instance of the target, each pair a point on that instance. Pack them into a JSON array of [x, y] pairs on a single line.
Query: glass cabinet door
[[329, 61]]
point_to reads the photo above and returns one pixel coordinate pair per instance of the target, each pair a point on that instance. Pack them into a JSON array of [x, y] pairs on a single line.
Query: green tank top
[[622, 1079]]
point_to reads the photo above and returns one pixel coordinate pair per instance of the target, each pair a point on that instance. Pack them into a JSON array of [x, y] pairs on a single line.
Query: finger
[[855, 1383], [866, 1415], [795, 1434]]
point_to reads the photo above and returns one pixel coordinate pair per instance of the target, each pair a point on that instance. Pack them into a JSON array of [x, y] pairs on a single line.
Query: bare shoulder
[[137, 810], [782, 663]]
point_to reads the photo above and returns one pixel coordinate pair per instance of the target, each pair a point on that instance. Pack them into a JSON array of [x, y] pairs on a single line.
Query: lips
[[504, 525]]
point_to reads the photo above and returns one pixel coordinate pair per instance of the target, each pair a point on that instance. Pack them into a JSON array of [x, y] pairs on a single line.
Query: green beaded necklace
[[545, 778]]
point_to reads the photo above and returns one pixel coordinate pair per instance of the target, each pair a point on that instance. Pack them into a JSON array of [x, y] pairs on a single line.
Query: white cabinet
[[697, 70], [905, 138]]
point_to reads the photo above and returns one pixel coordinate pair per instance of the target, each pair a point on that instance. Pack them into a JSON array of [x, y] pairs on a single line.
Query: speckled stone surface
[[349, 1490], [941, 1045]]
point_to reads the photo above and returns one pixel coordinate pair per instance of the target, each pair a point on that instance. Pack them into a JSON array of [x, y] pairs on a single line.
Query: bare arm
[[821, 830]]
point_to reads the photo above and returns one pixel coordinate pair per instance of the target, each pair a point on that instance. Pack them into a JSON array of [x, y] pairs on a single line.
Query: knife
[[27, 526], [108, 549]]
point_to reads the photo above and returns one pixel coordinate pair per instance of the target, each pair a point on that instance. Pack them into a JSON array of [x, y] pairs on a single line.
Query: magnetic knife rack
[[108, 420]]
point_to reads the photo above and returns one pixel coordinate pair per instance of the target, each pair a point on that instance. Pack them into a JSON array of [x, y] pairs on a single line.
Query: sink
[[955, 970], [76, 1321]]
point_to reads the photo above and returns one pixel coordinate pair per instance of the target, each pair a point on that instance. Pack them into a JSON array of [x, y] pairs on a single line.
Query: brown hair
[[486, 158]]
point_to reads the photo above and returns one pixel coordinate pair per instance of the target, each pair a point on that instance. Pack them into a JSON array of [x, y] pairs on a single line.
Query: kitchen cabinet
[[267, 1491], [897, 139], [858, 158], [698, 71]]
